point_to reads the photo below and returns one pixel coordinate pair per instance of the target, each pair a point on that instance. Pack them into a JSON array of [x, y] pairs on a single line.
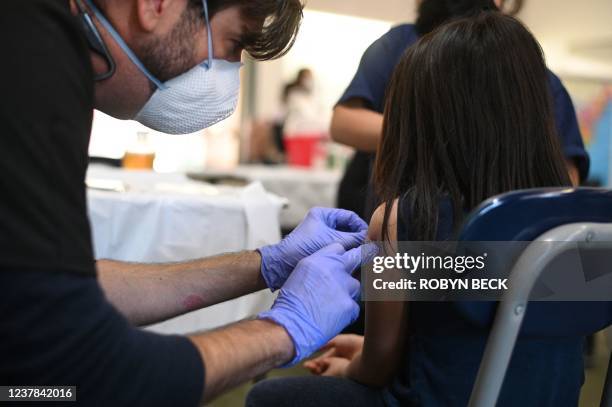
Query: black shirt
[[57, 328], [46, 85]]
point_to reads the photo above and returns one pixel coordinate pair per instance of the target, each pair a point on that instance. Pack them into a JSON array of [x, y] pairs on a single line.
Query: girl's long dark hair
[[468, 115]]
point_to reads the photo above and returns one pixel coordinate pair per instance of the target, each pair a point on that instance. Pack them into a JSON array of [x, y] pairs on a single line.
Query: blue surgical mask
[[194, 100]]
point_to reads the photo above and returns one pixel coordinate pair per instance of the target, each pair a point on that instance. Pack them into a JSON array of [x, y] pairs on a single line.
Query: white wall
[[332, 42], [566, 28], [559, 25], [395, 11]]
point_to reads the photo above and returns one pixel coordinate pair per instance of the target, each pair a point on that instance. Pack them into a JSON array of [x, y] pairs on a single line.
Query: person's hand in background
[[321, 227], [320, 297], [337, 355]]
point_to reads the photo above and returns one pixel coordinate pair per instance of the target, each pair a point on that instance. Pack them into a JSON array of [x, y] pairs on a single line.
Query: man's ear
[[150, 13]]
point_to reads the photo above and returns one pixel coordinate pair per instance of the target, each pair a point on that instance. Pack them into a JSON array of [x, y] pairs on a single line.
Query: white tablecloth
[[304, 188], [167, 218]]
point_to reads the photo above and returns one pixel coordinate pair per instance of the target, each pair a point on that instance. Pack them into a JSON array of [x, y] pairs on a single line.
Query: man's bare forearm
[[149, 293], [240, 352]]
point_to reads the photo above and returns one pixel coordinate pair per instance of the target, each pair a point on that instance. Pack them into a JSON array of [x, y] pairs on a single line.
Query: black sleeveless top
[[444, 352]]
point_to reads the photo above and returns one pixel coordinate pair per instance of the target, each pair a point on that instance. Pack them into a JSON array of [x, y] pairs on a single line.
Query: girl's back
[[468, 116]]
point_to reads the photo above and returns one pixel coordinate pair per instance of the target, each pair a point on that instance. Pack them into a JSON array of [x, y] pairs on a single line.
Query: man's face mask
[[193, 101]]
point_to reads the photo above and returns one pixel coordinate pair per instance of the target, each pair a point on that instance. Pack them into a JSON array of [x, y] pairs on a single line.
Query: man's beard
[[173, 54]]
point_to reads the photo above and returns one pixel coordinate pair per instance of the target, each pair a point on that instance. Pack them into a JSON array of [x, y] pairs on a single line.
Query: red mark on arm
[[193, 302]]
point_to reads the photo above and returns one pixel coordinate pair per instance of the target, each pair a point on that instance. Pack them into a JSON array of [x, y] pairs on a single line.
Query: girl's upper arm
[[385, 321]]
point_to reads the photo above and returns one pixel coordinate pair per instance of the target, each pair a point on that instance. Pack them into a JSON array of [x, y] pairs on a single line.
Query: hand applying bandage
[[320, 228], [320, 297]]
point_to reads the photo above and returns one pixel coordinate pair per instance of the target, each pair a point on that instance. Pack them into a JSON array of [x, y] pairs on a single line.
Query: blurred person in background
[[357, 119], [302, 85], [67, 320], [304, 129], [299, 109]]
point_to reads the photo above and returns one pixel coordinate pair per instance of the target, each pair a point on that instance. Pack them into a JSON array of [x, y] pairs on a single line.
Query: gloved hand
[[319, 298], [320, 228]]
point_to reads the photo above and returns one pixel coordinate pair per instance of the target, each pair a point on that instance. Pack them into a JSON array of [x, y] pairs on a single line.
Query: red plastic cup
[[301, 149]]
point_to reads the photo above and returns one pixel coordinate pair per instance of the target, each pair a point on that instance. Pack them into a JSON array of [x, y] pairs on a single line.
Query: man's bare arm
[[356, 126], [240, 352], [149, 293], [316, 302]]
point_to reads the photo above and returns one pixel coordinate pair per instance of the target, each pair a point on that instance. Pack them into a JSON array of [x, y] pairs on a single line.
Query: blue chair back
[[523, 216]]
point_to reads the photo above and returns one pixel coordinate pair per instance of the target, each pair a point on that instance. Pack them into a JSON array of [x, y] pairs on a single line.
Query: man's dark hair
[[433, 13], [272, 25], [270, 30], [468, 116]]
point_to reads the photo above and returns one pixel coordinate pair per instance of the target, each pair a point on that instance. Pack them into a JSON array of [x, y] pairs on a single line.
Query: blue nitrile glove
[[320, 228], [319, 298]]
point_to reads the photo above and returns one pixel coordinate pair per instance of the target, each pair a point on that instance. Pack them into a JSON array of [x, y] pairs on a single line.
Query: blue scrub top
[[381, 58]]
